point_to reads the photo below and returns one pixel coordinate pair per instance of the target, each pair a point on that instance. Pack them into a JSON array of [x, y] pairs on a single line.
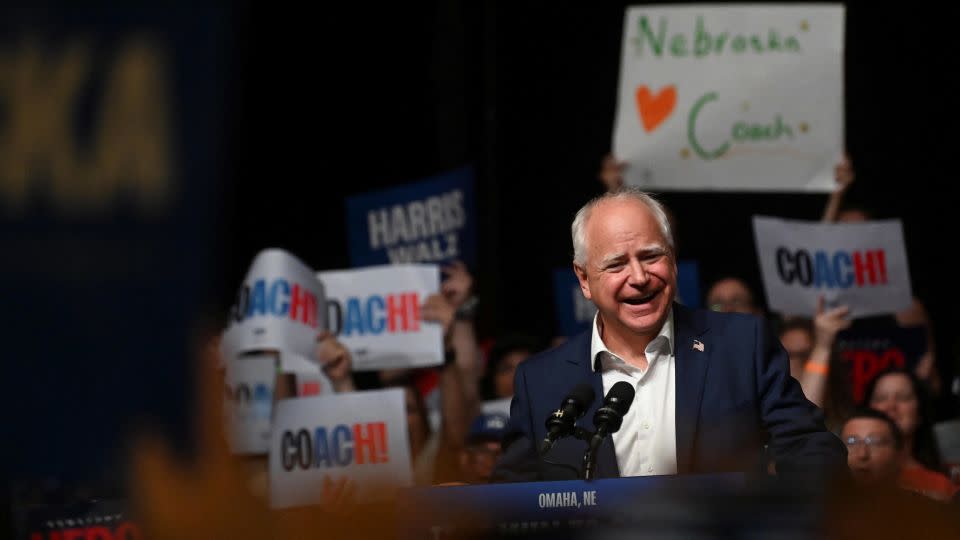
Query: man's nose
[[860, 452], [638, 273]]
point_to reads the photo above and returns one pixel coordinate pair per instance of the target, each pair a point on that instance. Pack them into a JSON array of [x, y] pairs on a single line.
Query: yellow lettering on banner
[[40, 150], [133, 138], [39, 93]]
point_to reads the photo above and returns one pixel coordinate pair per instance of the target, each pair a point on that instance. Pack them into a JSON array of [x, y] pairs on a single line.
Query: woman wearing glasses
[[900, 395]]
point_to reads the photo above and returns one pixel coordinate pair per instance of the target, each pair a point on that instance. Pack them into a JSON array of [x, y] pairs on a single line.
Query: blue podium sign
[[545, 508]]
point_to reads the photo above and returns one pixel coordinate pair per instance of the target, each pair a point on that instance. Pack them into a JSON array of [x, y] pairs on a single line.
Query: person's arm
[[454, 410], [826, 324], [926, 369], [337, 363], [458, 290], [844, 175], [466, 365], [611, 172]]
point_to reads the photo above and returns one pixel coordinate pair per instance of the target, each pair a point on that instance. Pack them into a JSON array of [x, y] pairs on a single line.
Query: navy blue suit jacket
[[731, 399]]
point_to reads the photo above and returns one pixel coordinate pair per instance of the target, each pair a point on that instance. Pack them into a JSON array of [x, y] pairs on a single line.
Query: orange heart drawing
[[654, 109]]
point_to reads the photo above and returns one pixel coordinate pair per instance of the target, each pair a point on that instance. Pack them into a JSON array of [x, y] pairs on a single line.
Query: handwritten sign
[[731, 97]]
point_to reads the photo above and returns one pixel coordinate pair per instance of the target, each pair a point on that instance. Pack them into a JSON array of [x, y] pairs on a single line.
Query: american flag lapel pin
[[697, 345]]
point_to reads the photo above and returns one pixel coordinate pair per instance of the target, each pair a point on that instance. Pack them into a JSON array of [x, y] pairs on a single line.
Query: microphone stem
[[590, 456]]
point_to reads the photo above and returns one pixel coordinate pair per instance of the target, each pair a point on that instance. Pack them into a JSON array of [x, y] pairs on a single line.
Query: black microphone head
[[563, 421], [620, 397], [573, 406], [583, 395]]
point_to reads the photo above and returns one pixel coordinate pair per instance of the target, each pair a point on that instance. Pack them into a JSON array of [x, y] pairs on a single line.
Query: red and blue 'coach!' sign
[[335, 446], [279, 306], [376, 313], [860, 265], [277, 298], [361, 436], [840, 269]]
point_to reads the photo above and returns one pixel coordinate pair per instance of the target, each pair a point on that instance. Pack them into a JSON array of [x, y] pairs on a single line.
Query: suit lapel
[[606, 457], [691, 371]]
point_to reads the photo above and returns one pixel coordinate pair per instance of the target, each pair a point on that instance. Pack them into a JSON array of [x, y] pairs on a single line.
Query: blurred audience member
[[611, 172], [796, 336], [482, 447], [732, 294], [837, 211], [455, 385], [900, 395], [874, 448], [505, 355]]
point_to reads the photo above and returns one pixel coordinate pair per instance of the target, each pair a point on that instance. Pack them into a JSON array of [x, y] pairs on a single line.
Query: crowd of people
[[887, 426], [458, 413]]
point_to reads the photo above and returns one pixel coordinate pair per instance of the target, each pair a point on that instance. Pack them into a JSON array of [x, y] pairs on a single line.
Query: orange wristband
[[819, 369]]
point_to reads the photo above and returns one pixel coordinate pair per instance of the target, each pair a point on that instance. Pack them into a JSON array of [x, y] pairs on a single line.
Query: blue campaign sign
[[574, 312], [429, 221], [111, 124]]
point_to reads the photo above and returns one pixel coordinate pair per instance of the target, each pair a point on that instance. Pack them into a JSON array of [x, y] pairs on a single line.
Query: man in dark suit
[[711, 388]]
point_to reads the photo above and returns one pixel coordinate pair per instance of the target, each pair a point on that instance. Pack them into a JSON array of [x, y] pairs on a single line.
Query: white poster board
[[279, 307], [376, 314], [495, 406], [249, 382], [361, 436], [731, 97], [860, 265], [310, 378]]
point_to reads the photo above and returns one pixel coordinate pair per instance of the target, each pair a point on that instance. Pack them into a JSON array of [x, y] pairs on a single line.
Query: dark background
[[285, 111], [359, 98]]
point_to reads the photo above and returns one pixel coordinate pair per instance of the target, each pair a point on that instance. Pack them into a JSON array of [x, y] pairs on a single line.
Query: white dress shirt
[[646, 443]]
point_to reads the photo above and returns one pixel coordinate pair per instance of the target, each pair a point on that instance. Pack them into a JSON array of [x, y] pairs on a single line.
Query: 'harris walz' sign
[[429, 221]]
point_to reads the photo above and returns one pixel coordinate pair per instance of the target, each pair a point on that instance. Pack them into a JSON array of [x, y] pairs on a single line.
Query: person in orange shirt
[[900, 395]]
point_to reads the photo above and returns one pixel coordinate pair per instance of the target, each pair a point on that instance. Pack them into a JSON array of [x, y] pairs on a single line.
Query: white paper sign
[[249, 384], [310, 379], [860, 265], [495, 406], [731, 97], [376, 313], [358, 435], [278, 307]]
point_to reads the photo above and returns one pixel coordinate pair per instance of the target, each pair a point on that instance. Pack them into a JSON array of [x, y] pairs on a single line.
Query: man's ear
[[582, 278]]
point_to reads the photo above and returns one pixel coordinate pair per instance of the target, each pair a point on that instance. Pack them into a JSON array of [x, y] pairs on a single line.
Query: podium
[[693, 506]]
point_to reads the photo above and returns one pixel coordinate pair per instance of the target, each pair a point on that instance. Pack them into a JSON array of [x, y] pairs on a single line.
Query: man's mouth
[[638, 300]]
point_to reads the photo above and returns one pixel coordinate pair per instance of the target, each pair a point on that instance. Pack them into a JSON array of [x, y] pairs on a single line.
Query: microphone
[[609, 416], [607, 420], [561, 422]]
